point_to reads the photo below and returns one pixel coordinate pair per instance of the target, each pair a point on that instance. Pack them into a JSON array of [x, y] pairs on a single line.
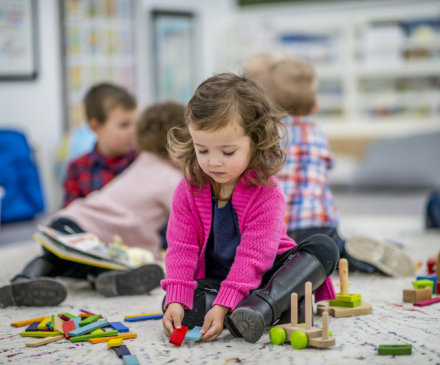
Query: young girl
[[229, 260]]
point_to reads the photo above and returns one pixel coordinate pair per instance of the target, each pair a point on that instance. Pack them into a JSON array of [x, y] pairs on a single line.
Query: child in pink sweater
[[229, 260]]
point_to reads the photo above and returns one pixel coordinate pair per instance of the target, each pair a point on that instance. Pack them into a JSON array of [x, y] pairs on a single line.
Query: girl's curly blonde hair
[[215, 103]]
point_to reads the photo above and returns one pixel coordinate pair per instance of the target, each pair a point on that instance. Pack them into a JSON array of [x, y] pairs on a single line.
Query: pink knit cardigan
[[260, 212]]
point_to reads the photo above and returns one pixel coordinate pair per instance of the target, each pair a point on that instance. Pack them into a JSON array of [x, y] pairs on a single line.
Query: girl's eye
[[203, 152], [228, 153]]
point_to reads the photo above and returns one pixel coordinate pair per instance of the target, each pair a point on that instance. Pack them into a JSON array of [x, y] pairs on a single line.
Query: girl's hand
[[172, 318], [213, 324]]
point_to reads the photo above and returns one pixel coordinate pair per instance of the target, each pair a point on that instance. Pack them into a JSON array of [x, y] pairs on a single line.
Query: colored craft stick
[[89, 328], [115, 342], [40, 334], [66, 316], [87, 312], [119, 326], [130, 360], [43, 341], [33, 327], [125, 336], [99, 330], [395, 349], [43, 323], [77, 321], [47, 330], [90, 319], [195, 334], [96, 335], [27, 322], [48, 325], [121, 351], [85, 315], [52, 322], [68, 326], [144, 318], [424, 303], [178, 335], [58, 324], [142, 314]]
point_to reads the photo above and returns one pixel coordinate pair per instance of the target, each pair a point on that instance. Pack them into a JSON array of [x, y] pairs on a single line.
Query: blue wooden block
[[80, 331], [195, 334], [119, 326], [33, 327], [48, 324], [143, 318], [130, 360], [433, 278], [77, 320]]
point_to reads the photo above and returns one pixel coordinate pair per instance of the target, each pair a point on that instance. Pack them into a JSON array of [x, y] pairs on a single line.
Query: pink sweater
[[260, 212]]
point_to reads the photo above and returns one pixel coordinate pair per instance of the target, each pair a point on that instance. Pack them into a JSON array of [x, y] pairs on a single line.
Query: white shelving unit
[[341, 64]]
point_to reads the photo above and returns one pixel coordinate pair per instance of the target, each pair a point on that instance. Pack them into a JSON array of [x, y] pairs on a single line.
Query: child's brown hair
[[154, 124], [217, 102], [256, 66], [102, 98], [293, 85]]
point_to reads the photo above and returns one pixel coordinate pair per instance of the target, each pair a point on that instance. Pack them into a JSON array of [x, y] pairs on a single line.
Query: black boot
[[129, 282], [266, 305]]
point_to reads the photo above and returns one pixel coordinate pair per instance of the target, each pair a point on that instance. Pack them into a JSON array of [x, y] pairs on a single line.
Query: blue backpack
[[23, 197]]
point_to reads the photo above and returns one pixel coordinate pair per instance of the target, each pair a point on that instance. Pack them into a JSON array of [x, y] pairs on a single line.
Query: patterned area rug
[[357, 338]]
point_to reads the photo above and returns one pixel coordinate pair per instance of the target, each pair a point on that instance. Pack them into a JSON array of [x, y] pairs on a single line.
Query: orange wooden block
[[27, 322], [84, 315]]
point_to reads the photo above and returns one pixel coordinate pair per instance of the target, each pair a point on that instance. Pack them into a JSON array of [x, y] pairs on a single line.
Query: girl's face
[[223, 155]]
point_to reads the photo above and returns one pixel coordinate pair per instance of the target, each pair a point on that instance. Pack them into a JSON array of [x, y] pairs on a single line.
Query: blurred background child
[[135, 205]]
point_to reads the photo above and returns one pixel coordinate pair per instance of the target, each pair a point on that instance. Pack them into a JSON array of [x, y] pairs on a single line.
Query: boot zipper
[[288, 259], [211, 290]]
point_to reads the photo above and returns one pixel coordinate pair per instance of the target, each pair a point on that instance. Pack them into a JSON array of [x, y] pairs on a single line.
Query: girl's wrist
[[225, 310]]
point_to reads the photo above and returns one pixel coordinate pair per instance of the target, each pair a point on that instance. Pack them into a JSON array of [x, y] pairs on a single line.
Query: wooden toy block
[[142, 314], [337, 303], [119, 327], [43, 341], [438, 266], [432, 266], [52, 322], [33, 327], [195, 334], [324, 340], [426, 302], [438, 288], [178, 336], [343, 276], [115, 342], [27, 322], [125, 336], [339, 312], [121, 351], [144, 318], [130, 360], [43, 323], [395, 349], [40, 334], [89, 328], [349, 297], [433, 278], [87, 312], [416, 295], [89, 320], [99, 330], [67, 327], [96, 335], [47, 330], [48, 324], [84, 315], [420, 284], [66, 315], [58, 324]]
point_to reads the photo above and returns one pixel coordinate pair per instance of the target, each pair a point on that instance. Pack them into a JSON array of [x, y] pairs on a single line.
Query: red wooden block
[[87, 312], [178, 336], [424, 303], [438, 288], [432, 263], [68, 326]]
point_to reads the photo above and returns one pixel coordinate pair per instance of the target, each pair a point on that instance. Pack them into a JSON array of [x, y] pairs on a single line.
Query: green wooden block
[[96, 335], [40, 334], [52, 322], [89, 320], [68, 315], [420, 284], [395, 349], [349, 297], [337, 303]]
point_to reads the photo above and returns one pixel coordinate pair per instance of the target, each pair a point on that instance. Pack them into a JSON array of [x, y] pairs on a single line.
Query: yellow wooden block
[[27, 322], [115, 342], [142, 314], [43, 323], [99, 330]]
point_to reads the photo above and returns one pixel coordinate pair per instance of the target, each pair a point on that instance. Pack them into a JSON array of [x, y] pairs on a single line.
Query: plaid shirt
[[91, 172], [305, 176]]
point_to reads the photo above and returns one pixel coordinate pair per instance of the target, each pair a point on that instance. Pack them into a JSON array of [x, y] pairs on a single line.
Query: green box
[[338, 303], [395, 349]]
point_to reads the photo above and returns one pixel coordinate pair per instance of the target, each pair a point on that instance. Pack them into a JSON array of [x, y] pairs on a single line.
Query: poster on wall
[[173, 56], [18, 48], [99, 47]]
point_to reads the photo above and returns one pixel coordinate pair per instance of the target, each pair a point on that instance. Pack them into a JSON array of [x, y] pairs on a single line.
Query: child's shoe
[[386, 257], [129, 282], [38, 292]]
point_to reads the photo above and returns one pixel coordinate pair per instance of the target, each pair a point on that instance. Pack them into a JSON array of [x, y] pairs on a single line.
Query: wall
[[36, 106]]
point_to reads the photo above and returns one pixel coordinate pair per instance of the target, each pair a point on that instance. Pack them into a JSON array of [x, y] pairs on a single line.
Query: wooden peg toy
[[178, 336], [27, 322], [115, 342], [416, 295], [43, 341]]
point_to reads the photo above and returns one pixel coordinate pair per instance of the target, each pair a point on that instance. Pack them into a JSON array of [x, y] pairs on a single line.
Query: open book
[[87, 248]]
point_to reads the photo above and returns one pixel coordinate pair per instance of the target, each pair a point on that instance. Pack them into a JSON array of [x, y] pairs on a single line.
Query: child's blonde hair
[[217, 102], [293, 85], [255, 67]]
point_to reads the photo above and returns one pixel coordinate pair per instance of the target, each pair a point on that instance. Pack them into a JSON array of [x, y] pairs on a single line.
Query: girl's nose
[[214, 162]]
